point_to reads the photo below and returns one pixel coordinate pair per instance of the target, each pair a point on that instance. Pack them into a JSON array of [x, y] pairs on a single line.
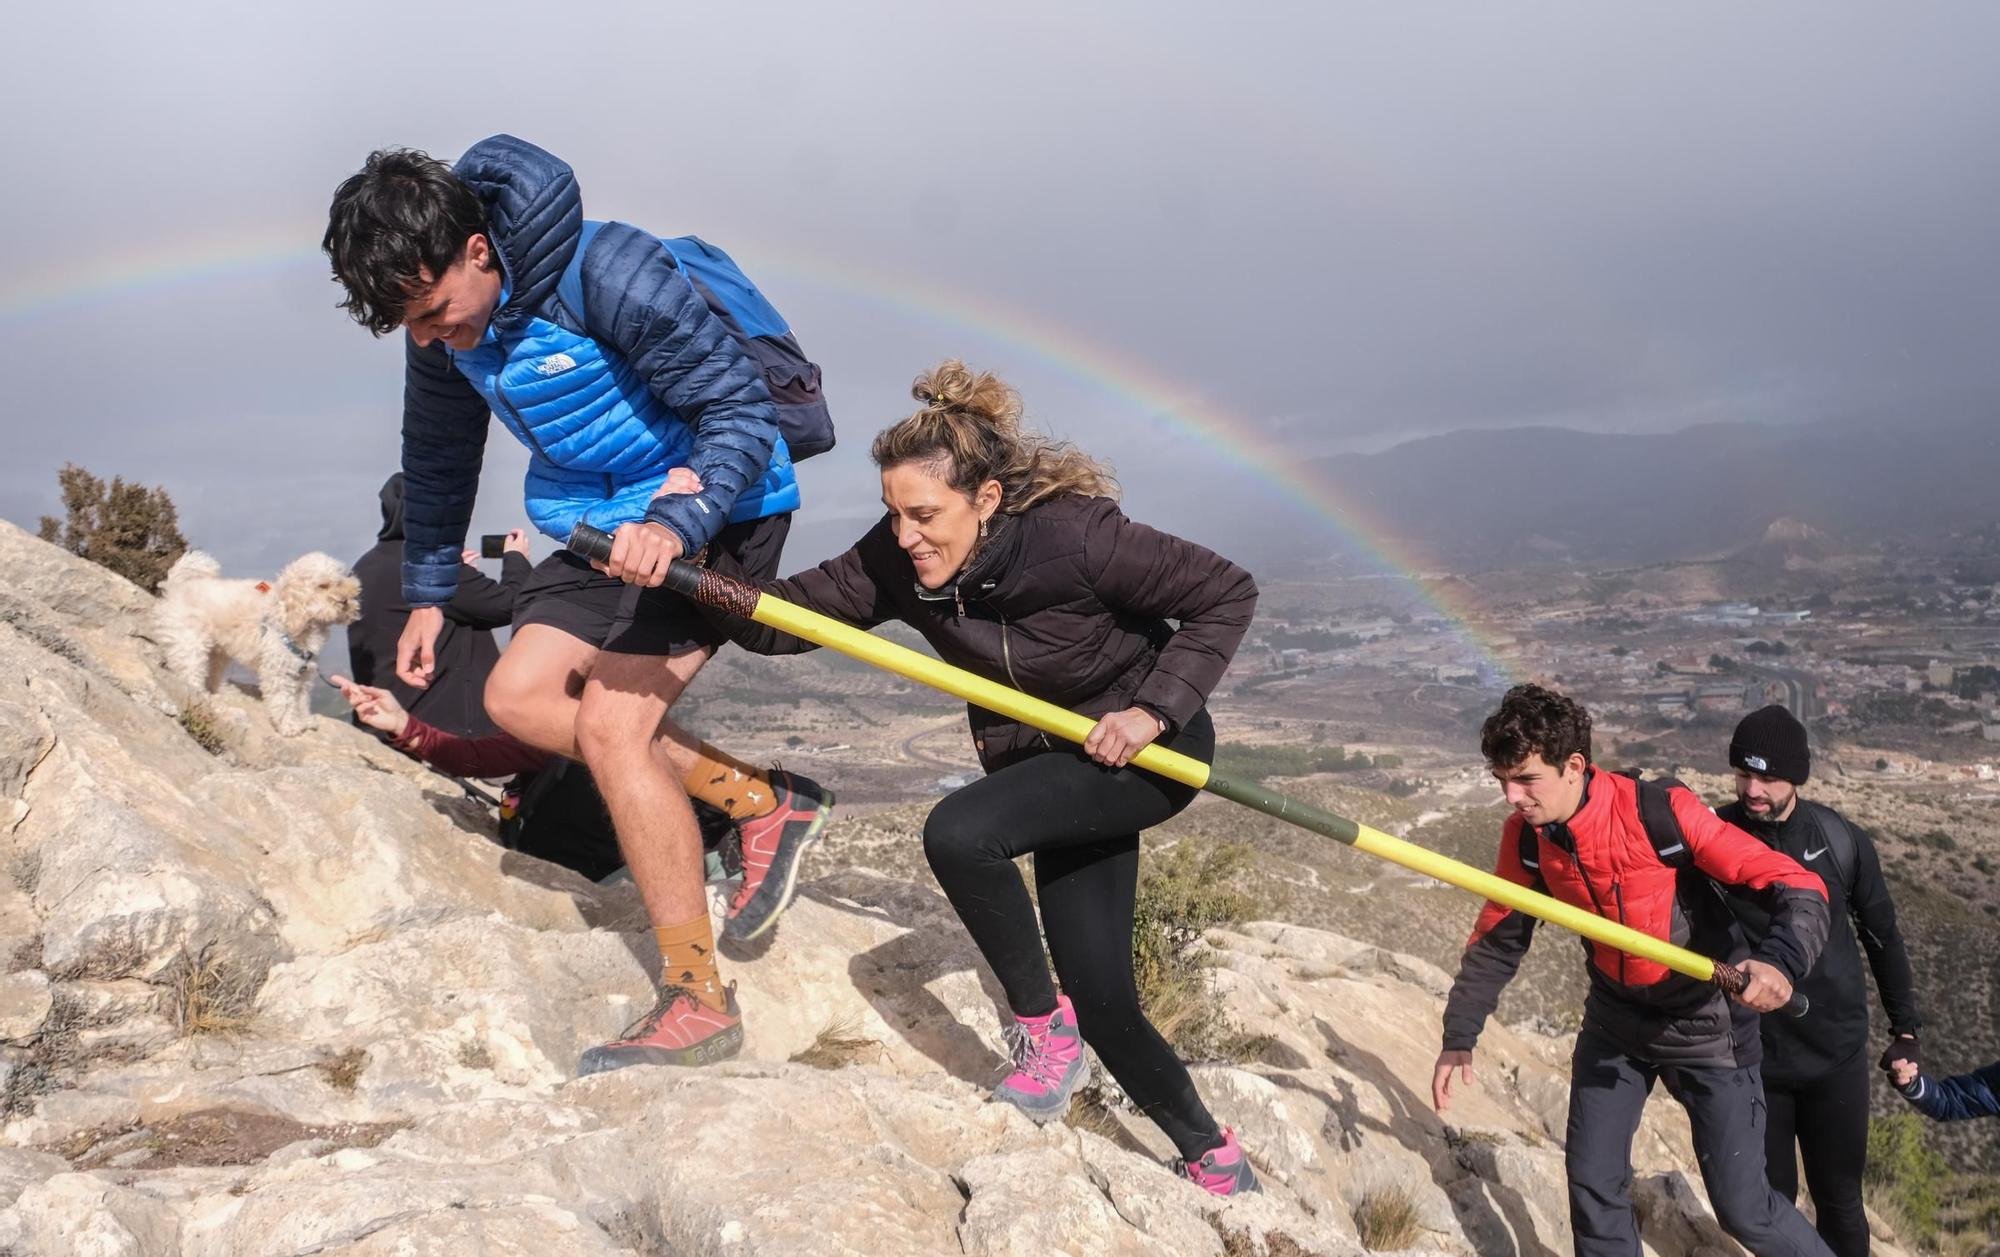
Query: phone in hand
[[492, 545]]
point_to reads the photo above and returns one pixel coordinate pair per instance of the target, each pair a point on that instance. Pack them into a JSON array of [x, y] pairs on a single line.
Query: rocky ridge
[[286, 996]]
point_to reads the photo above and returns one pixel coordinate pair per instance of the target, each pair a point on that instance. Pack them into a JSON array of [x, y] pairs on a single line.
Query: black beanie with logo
[[1771, 743]]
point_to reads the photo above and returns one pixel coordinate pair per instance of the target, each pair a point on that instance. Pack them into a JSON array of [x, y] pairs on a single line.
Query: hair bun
[[953, 387]]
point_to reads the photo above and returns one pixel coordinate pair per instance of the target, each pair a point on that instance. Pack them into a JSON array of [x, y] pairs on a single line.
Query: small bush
[[1387, 1220], [200, 721], [133, 530], [1254, 762], [343, 1072], [55, 1055], [1190, 889], [1937, 840], [1903, 1176]]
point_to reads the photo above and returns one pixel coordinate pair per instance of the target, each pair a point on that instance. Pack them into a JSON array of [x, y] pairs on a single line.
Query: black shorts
[[566, 593]]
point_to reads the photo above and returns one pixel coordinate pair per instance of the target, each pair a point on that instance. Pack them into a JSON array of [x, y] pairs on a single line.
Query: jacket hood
[[535, 214], [392, 509]]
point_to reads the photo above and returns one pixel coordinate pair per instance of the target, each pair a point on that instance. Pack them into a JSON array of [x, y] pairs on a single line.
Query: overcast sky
[[1333, 225]]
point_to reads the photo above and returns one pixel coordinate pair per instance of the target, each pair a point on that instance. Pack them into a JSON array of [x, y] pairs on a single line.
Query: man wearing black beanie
[[1816, 1066]]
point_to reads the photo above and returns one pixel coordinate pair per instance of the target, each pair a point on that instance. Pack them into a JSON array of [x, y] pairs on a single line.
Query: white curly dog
[[276, 629]]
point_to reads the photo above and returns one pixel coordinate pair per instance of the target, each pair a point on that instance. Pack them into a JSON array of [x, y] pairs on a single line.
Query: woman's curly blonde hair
[[968, 430]]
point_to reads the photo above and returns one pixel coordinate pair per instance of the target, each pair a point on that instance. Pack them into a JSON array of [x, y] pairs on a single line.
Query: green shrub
[[1905, 1173], [1937, 839], [1253, 762], [1187, 890], [133, 530], [201, 723]]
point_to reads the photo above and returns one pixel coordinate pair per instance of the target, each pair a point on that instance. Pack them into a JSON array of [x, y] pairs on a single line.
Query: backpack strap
[[569, 289], [1529, 849], [1840, 842], [1663, 828]]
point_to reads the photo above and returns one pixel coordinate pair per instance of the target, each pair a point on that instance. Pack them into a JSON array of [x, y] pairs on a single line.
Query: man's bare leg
[[619, 724], [624, 705], [536, 691]]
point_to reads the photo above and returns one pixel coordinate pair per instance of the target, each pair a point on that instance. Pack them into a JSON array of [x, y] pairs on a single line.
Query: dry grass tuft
[[840, 1042], [1387, 1220], [208, 994]]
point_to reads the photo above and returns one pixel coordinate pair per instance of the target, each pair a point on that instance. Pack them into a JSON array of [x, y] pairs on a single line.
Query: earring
[[982, 530]]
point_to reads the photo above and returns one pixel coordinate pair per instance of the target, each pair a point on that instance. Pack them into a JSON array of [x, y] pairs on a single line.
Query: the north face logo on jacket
[[554, 364]]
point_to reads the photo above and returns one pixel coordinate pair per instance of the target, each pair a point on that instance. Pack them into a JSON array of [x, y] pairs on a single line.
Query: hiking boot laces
[[670, 994], [1032, 1056]]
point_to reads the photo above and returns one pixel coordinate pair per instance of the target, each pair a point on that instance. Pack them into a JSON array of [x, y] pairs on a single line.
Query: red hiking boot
[[771, 847], [680, 1030]]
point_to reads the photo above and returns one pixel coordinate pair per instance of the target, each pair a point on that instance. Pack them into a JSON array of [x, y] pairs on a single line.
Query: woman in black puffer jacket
[[1007, 552]]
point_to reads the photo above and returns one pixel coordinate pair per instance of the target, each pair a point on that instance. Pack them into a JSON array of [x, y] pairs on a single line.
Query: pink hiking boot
[[1049, 1064], [1223, 1171]]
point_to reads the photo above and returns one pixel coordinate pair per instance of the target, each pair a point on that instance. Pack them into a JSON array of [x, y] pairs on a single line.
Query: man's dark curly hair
[[404, 214], [1534, 720]]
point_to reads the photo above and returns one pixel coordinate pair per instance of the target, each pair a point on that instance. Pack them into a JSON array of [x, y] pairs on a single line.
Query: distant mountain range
[[1520, 496]]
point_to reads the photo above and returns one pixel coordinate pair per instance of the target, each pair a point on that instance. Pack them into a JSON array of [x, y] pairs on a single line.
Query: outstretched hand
[[375, 707]]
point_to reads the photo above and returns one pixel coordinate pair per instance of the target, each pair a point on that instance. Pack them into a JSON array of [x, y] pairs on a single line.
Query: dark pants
[[1081, 822], [1826, 1119], [1725, 1105]]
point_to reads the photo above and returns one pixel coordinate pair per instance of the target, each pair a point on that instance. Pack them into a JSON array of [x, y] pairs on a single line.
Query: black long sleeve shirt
[[1801, 1048]]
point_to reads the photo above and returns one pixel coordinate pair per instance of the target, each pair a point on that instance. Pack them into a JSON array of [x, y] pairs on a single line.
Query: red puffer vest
[[1601, 860]]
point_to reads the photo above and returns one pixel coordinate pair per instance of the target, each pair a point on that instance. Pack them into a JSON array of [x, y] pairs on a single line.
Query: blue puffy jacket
[[651, 381], [1976, 1094]]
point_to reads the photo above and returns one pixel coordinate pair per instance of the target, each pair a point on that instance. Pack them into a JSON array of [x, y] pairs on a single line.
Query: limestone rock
[[24, 1005], [308, 1005], [82, 1213]]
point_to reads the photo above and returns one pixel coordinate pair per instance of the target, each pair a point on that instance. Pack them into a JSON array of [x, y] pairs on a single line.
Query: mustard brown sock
[[723, 781], [687, 959]]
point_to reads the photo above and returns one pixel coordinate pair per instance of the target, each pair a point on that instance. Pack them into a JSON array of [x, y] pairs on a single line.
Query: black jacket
[[1827, 1037], [466, 651], [1069, 601]]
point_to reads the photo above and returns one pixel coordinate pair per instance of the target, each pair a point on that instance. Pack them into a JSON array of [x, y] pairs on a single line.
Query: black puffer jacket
[[1069, 601]]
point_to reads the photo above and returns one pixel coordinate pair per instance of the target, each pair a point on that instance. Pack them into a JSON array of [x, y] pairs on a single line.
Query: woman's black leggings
[[1081, 822]]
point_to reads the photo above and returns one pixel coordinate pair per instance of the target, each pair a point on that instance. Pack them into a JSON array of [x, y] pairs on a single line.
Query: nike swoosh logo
[[1814, 855]]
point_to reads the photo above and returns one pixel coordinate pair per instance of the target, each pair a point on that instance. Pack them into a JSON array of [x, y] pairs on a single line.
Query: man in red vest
[[1652, 857]]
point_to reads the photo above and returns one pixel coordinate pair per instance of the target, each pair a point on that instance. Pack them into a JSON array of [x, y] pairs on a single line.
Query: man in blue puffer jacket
[[644, 416]]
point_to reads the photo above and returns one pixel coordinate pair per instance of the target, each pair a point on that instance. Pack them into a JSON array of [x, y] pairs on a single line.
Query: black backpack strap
[[1840, 842], [1663, 828], [1530, 852]]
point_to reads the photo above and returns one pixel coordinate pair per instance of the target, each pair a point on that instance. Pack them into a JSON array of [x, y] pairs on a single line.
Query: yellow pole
[[734, 597]]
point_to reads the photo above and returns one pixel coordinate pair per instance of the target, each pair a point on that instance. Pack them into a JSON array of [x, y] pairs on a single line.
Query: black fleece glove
[[1903, 1047]]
